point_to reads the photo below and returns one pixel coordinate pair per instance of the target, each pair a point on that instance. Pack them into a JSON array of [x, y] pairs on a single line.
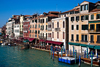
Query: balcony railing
[[57, 29], [98, 42], [25, 31], [94, 31], [49, 38], [42, 29], [91, 41], [49, 29]]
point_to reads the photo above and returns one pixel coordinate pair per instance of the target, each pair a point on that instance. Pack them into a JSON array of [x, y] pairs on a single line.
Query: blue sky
[[29, 7]]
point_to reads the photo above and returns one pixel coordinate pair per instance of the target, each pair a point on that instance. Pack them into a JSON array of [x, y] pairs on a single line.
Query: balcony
[[49, 38], [41, 37], [49, 29], [42, 29], [94, 31], [57, 29], [25, 31], [98, 41]]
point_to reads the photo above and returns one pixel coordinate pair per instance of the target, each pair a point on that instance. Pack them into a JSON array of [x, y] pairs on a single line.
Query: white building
[[9, 26], [16, 30]]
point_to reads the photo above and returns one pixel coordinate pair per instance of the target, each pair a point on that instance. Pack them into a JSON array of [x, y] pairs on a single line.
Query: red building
[[4, 30], [26, 29]]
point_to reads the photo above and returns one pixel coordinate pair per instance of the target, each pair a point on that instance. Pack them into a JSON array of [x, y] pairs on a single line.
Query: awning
[[42, 40], [58, 43], [91, 46], [83, 45], [49, 41], [76, 44], [54, 42], [31, 39], [97, 47], [26, 41]]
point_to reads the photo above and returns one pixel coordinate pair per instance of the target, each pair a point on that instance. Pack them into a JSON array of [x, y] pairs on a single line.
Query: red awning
[[58, 43], [54, 42], [31, 39], [49, 41], [42, 40]]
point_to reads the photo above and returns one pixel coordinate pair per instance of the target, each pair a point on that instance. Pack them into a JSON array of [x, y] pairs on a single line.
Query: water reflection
[[14, 57]]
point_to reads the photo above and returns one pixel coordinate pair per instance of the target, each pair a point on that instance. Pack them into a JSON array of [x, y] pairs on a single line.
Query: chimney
[[78, 4]]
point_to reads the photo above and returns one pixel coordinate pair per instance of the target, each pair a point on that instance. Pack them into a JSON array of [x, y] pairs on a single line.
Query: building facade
[[9, 27], [83, 22], [44, 20]]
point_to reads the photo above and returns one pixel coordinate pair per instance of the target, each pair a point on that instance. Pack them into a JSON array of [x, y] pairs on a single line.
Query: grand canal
[[14, 57]]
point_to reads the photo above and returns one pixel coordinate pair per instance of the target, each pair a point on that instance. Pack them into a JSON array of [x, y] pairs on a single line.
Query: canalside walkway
[[41, 49]]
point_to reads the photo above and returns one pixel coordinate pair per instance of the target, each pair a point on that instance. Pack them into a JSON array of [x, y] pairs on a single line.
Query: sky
[[29, 7]]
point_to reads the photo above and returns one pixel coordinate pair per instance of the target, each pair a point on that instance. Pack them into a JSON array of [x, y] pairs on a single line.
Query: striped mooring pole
[[87, 53], [53, 53], [75, 56], [61, 52], [73, 50], [70, 52], [84, 54], [79, 60], [67, 52], [91, 58], [97, 55]]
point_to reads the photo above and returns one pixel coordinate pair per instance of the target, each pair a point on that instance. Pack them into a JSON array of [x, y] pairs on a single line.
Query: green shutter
[[43, 27], [46, 27], [92, 17], [36, 21], [86, 27]]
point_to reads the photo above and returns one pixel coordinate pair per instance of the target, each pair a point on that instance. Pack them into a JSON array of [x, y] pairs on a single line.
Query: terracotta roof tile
[[95, 10], [71, 10]]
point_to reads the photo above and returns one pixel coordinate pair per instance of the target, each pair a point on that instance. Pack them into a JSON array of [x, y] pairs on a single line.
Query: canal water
[[14, 57]]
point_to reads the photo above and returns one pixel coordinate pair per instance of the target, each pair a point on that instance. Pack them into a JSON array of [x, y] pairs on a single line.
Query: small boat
[[9, 44], [68, 60], [56, 54], [88, 61], [3, 44]]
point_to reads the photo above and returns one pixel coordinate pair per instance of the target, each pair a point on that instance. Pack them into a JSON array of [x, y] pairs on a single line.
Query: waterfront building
[[16, 26], [9, 27], [60, 31], [3, 30], [35, 28], [0, 31], [83, 26], [22, 18], [44, 20], [94, 28], [26, 27]]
